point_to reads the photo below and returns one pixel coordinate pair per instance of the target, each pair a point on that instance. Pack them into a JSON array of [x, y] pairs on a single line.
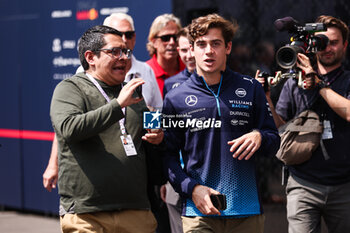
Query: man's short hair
[[158, 24], [331, 21], [93, 40], [119, 16], [183, 32], [201, 25]]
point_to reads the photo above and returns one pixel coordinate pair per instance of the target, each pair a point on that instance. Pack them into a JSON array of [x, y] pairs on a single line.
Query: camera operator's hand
[[305, 64], [125, 96], [310, 78]]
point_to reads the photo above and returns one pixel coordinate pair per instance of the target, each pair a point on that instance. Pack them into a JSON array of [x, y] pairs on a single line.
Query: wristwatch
[[318, 81], [322, 84]]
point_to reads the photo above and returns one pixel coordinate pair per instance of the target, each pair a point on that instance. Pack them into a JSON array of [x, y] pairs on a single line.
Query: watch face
[[322, 84]]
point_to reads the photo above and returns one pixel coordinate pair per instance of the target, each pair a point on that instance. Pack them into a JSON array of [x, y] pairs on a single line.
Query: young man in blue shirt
[[218, 119]]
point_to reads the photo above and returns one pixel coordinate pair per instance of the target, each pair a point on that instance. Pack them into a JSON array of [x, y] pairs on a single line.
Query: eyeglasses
[[166, 38], [118, 52], [128, 34]]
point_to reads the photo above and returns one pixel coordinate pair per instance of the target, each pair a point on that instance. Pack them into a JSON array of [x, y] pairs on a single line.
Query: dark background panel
[[11, 174], [35, 197]]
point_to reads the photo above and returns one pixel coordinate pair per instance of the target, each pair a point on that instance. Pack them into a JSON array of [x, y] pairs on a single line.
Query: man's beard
[[327, 63]]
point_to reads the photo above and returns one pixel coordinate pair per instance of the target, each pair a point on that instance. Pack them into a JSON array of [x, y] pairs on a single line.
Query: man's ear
[[346, 43], [89, 57], [153, 41], [134, 40], [228, 48]]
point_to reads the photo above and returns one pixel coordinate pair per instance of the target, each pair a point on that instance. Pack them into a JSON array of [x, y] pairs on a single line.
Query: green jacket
[[94, 172]]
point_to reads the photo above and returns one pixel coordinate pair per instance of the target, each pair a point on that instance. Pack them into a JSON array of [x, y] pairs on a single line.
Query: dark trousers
[[159, 209]]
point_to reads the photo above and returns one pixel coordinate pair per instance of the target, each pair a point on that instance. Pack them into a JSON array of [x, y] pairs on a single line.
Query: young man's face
[[107, 67], [334, 53], [185, 53], [210, 52], [167, 48]]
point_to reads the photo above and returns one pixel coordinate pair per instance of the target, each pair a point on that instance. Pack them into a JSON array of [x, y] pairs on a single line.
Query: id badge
[[327, 130], [128, 145]]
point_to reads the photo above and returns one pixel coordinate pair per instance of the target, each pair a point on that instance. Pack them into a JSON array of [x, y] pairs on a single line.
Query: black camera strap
[[332, 76], [329, 78]]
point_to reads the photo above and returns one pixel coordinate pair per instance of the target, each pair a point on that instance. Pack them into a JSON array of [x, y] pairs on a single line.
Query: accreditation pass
[[128, 145]]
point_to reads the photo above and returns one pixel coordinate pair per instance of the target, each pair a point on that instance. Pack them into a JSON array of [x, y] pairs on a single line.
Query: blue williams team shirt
[[175, 81], [200, 125]]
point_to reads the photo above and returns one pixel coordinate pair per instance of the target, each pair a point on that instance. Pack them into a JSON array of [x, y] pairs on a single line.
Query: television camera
[[304, 41]]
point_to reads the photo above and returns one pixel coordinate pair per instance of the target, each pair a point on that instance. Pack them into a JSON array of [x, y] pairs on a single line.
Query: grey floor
[[16, 222]]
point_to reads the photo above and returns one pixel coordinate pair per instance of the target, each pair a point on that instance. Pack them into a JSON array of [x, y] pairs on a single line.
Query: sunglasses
[[118, 52], [128, 34], [166, 38]]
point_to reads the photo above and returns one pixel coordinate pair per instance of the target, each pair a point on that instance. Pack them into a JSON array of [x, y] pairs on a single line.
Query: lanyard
[[121, 121], [215, 95]]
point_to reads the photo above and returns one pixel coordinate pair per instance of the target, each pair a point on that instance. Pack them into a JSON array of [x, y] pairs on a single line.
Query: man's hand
[[263, 83], [154, 136], [163, 192], [50, 177], [125, 96], [304, 64], [260, 79], [201, 198], [310, 78], [246, 145]]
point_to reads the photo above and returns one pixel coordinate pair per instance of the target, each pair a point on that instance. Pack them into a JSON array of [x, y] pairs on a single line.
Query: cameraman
[[321, 185]]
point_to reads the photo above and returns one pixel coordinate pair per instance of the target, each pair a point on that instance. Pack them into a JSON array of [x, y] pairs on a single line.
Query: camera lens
[[320, 41], [286, 56]]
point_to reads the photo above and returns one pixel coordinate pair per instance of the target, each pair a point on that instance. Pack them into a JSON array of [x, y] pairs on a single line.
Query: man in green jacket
[[98, 122]]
